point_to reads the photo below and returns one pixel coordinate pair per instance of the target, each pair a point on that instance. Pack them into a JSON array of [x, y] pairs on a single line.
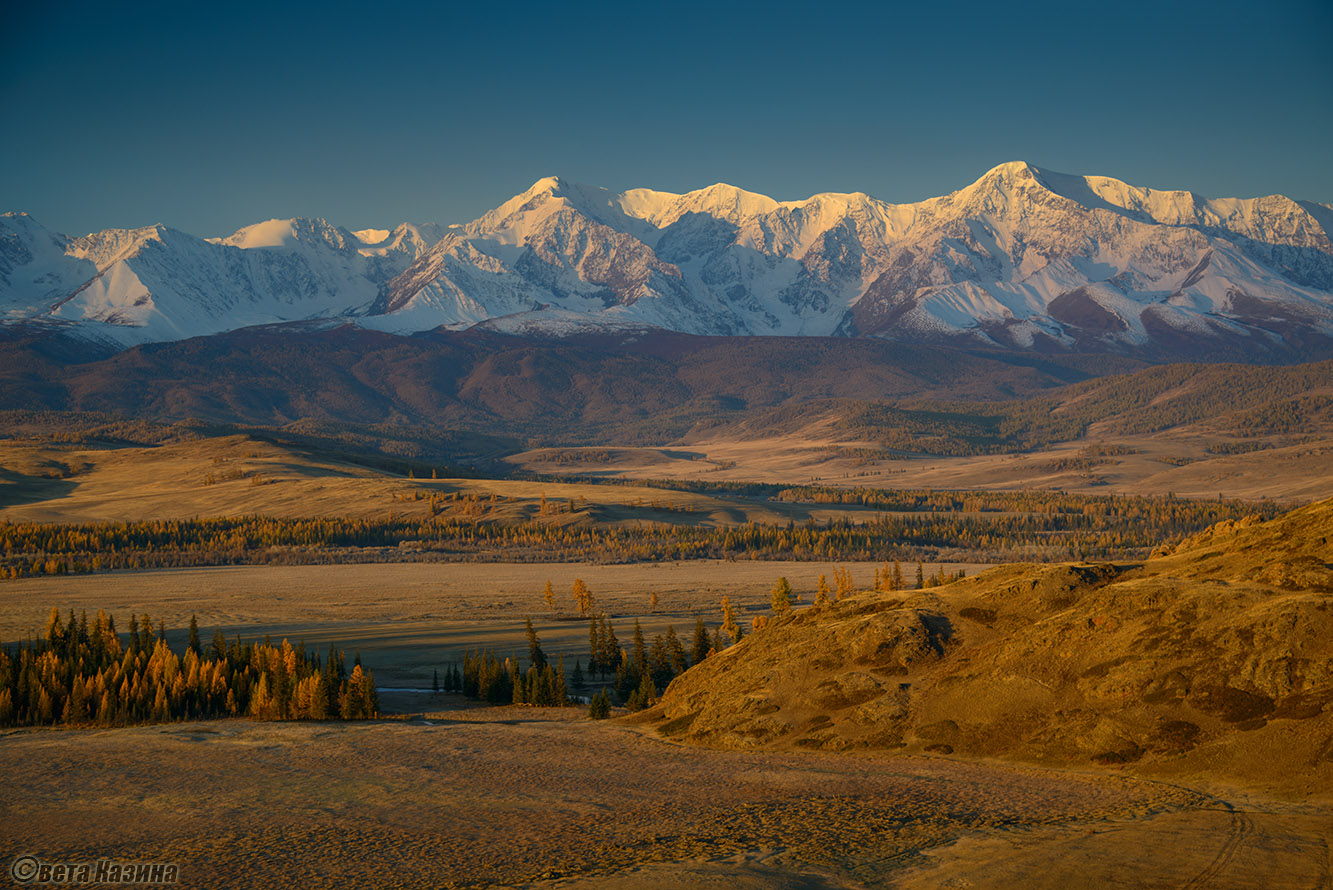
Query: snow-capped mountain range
[[1022, 258]]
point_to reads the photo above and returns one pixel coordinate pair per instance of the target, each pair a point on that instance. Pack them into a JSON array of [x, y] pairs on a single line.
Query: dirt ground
[[464, 796]]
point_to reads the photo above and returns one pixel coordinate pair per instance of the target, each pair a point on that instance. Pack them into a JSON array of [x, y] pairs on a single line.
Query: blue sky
[[207, 118]]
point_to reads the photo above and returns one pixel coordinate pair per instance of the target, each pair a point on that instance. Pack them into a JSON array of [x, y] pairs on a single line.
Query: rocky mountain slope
[[154, 284], [1212, 657], [1022, 258]]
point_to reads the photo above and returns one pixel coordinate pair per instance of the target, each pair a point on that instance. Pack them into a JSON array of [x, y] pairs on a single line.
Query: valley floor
[[1178, 461], [408, 619], [465, 796]]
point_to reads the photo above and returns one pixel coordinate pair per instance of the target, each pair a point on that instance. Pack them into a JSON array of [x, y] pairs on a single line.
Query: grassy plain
[[409, 618]]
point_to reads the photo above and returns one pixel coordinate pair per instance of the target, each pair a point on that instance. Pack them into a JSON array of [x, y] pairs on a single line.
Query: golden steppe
[[408, 619], [239, 475], [1212, 660], [1077, 669], [459, 796], [1177, 460]]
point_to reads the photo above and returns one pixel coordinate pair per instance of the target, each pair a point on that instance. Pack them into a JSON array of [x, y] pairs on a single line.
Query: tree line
[[634, 675], [80, 673], [916, 526]]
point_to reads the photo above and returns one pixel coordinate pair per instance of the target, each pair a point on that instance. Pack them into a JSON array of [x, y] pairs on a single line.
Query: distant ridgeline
[[81, 674], [916, 526]]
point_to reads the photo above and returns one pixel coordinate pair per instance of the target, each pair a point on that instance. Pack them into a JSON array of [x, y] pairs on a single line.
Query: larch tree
[[729, 625], [582, 597], [822, 592], [842, 579]]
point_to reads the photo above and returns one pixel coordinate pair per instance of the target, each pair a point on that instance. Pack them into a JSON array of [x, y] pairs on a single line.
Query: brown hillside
[[1215, 658]]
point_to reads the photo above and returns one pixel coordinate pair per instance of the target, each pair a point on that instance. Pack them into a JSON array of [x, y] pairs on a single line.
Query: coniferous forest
[[636, 675], [915, 526], [82, 674]]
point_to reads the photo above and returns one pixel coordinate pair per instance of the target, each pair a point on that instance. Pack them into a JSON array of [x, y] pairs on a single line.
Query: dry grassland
[[237, 476], [1177, 461], [447, 794], [546, 799], [409, 618]]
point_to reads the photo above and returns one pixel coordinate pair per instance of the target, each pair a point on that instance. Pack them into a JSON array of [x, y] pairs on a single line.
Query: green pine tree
[[536, 657], [700, 645], [600, 707], [640, 657]]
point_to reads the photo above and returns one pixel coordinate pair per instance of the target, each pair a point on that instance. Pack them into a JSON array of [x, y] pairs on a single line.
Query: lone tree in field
[[781, 596], [548, 594], [582, 597], [920, 577]]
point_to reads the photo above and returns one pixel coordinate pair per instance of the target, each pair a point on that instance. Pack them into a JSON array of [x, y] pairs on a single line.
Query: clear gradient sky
[[207, 117]]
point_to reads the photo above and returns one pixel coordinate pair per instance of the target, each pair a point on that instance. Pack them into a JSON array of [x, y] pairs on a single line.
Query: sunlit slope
[[240, 476], [1215, 658]]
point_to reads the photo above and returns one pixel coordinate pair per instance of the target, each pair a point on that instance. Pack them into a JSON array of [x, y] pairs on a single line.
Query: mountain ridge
[[1023, 258]]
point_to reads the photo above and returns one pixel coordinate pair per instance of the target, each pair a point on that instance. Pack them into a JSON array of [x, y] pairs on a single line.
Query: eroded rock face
[[1215, 655]]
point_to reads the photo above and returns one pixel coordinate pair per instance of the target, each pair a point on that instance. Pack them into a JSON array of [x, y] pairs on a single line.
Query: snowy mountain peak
[[720, 201], [547, 184], [515, 219], [286, 233], [1012, 171], [372, 237]]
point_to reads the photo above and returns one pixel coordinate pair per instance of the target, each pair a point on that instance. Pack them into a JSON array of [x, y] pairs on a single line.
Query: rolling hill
[[1210, 658]]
